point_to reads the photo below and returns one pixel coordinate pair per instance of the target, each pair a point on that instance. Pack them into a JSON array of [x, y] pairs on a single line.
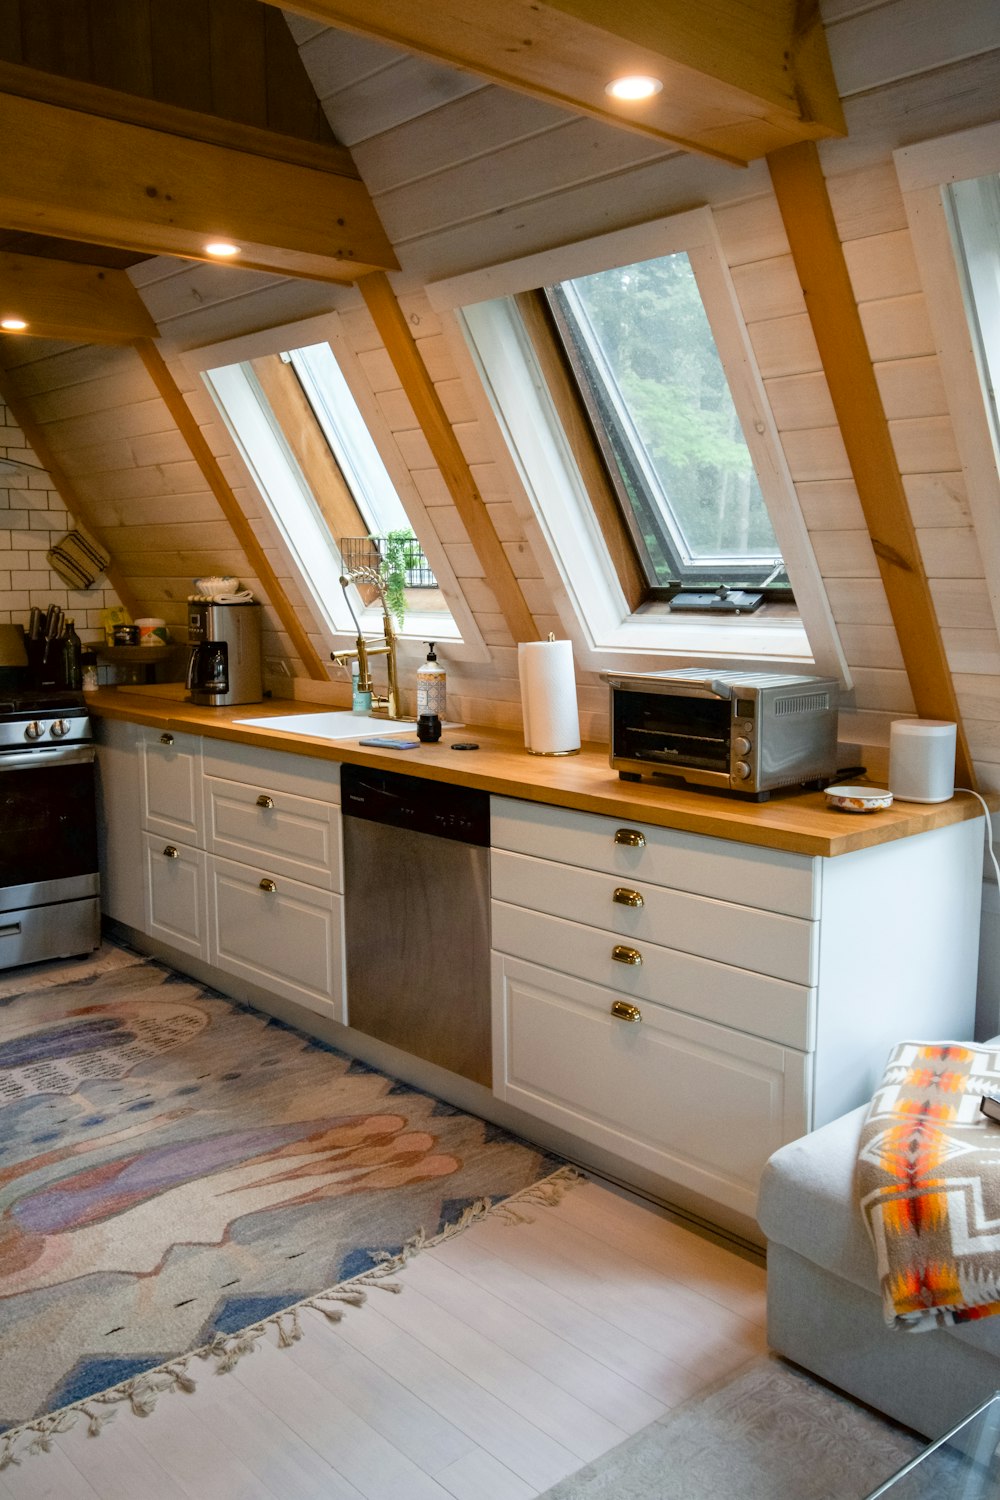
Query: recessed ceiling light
[[13, 325], [223, 249], [634, 86]]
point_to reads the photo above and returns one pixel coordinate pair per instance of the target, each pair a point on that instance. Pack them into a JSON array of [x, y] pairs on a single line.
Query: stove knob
[[60, 728], [34, 730]]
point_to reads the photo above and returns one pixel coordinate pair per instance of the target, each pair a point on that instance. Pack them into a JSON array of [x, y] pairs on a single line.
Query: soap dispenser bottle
[[431, 685]]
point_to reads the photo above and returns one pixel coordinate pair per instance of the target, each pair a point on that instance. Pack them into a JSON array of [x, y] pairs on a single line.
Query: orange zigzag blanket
[[929, 1185]]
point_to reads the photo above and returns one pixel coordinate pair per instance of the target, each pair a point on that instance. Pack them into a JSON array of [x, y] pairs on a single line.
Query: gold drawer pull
[[623, 955], [171, 852], [630, 836], [166, 739], [265, 801], [625, 897], [267, 884], [626, 1012]]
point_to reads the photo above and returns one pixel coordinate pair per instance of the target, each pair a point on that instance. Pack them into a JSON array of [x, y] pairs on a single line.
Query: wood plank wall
[[465, 175]]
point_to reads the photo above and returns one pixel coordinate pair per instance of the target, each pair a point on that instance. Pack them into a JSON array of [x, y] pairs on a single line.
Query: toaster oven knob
[[741, 746], [60, 729], [34, 730], [741, 770]]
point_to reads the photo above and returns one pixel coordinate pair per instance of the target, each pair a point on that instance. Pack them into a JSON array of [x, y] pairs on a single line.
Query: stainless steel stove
[[49, 878]]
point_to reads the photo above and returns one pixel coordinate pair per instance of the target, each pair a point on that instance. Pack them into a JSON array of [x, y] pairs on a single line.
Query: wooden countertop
[[797, 821]]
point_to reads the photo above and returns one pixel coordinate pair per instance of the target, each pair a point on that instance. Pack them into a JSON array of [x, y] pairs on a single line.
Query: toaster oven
[[746, 732]]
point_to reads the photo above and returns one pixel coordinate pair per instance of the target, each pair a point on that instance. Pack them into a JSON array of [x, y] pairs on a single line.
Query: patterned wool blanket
[[929, 1185]]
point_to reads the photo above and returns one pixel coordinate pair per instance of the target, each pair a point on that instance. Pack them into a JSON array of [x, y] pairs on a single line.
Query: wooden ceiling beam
[[110, 182], [740, 78], [65, 300], [804, 202]]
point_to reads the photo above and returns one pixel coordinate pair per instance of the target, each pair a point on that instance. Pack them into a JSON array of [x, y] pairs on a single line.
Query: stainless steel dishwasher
[[416, 911]]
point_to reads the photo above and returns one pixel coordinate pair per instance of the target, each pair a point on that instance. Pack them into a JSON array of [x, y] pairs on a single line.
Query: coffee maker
[[224, 666]]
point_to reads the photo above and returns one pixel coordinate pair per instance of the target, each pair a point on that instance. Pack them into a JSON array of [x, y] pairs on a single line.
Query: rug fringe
[[141, 1392]]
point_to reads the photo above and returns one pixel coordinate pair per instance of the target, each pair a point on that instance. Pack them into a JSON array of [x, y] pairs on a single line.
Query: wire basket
[[370, 551]]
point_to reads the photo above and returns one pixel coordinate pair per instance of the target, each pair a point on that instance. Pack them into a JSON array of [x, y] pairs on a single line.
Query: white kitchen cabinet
[[172, 801], [119, 821], [274, 873], [691, 1003], [700, 1105], [276, 932], [174, 886]]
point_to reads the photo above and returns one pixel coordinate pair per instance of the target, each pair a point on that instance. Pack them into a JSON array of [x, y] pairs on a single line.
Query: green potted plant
[[395, 561]]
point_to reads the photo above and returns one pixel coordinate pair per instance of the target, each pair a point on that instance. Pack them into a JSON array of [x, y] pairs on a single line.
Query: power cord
[[989, 828]]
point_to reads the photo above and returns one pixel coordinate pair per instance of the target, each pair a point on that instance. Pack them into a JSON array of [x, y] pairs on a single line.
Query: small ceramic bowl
[[209, 588], [860, 799]]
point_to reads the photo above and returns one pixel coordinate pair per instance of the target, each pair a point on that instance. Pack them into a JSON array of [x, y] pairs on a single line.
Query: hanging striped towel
[[78, 560]]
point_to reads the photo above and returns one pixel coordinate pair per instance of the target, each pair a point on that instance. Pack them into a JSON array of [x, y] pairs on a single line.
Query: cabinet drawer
[[175, 894], [171, 785], [288, 940], [299, 774], [729, 871], [696, 1103], [751, 1003], [290, 835], [746, 936]]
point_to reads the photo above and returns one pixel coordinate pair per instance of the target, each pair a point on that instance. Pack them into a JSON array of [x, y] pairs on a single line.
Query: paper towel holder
[[538, 722]]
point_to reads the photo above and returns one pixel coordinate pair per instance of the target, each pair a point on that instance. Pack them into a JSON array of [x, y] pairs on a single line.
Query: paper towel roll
[[548, 697]]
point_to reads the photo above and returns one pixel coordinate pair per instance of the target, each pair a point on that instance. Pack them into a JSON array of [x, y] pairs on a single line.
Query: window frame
[[595, 608], [925, 172], [465, 642]]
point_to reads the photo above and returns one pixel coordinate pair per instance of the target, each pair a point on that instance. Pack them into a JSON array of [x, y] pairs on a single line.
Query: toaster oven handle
[[682, 689]]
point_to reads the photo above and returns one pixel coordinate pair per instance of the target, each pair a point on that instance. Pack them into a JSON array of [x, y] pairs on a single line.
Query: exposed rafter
[[740, 77], [64, 300], [110, 181], [800, 188]]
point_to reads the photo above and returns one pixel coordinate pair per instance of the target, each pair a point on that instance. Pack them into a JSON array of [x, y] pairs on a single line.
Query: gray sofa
[[823, 1307]]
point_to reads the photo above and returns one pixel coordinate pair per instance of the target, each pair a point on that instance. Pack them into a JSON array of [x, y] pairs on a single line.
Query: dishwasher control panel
[[427, 806]]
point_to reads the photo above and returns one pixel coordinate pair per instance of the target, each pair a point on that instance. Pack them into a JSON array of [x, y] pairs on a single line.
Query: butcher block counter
[[798, 822]]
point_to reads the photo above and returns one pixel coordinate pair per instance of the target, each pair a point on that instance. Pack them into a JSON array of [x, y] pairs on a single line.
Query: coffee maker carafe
[[224, 666]]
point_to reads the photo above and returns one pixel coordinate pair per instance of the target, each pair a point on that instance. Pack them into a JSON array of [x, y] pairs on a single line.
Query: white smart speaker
[[922, 760]]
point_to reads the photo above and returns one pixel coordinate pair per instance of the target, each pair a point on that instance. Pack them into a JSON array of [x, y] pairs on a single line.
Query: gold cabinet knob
[[267, 884], [630, 836], [265, 801], [166, 739], [623, 955], [625, 897], [626, 1012], [171, 852]]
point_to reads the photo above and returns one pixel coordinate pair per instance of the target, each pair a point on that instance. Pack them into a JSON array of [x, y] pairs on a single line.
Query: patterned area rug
[[179, 1172], [770, 1432]]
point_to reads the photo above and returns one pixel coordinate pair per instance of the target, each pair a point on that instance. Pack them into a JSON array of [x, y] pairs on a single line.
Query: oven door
[[672, 733], [48, 851]]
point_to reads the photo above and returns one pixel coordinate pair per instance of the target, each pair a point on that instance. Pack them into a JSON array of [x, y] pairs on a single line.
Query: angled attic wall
[[32, 519], [135, 479]]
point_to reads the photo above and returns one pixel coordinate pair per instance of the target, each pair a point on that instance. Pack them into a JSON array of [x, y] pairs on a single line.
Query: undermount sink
[[341, 725]]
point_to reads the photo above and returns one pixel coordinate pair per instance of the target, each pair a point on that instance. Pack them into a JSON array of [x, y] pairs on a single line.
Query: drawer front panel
[[175, 894], [754, 1004], [288, 940], [696, 1103], [768, 878], [291, 835], [302, 775], [171, 785], [763, 941]]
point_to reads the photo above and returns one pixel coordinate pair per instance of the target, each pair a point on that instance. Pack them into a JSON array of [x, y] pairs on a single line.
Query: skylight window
[[650, 378], [327, 487]]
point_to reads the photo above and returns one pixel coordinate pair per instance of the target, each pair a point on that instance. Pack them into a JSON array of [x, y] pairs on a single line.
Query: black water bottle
[[72, 659]]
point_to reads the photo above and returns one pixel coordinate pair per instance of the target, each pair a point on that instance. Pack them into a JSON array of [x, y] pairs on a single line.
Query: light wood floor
[[514, 1356]]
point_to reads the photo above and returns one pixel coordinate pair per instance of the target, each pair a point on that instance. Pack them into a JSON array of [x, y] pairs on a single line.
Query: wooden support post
[[229, 505], [61, 482], [423, 397], [800, 189]]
